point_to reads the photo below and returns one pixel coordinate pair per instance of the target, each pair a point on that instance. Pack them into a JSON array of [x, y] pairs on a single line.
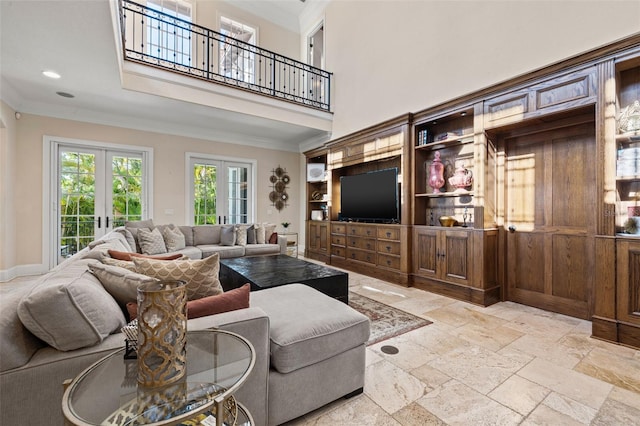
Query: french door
[[96, 190], [221, 191]]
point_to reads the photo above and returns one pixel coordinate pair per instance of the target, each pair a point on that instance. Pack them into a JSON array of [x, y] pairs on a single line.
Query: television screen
[[371, 196]]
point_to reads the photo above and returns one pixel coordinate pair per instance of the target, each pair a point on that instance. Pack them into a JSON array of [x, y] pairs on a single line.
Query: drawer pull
[[368, 232], [388, 234], [353, 255], [388, 248], [388, 262], [369, 246]]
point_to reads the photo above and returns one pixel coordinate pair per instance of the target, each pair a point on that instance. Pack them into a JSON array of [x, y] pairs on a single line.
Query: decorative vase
[[462, 178], [162, 332], [436, 173]]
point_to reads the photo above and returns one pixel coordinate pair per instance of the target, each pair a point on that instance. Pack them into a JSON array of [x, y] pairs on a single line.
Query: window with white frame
[[169, 39], [237, 61]]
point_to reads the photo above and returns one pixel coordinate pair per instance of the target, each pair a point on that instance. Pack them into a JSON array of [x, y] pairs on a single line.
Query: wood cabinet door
[[318, 237], [550, 214], [425, 253], [628, 296], [455, 254]]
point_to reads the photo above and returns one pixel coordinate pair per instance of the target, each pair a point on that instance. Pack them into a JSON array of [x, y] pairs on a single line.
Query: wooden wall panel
[[571, 271]]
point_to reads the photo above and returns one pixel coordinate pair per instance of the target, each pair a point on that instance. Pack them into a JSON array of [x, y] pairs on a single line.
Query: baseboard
[[21, 271]]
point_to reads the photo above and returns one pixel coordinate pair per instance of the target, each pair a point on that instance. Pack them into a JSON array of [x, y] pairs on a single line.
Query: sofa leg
[[354, 393]]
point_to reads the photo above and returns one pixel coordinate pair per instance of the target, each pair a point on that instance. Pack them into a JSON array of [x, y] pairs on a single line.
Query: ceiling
[[76, 39]]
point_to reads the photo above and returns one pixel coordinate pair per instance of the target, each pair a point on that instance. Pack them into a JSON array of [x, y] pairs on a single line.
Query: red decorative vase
[[436, 174]]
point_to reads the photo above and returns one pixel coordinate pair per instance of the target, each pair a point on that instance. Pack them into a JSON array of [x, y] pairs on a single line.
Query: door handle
[[107, 218], [99, 222], [512, 229]]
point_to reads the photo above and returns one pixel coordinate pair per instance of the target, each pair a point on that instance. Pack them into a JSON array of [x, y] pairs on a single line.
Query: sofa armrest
[[282, 242], [253, 325]]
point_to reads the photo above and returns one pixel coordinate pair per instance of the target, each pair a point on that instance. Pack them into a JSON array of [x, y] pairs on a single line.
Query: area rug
[[386, 321]]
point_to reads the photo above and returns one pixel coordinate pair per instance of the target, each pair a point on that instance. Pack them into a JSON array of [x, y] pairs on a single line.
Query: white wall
[[393, 57], [8, 143], [169, 175]]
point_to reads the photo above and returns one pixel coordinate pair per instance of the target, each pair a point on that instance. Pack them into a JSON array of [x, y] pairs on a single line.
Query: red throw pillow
[[231, 300], [125, 255], [273, 239]]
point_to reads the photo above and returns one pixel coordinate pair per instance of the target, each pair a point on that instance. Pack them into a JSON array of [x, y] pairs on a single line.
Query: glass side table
[[292, 243], [218, 363]]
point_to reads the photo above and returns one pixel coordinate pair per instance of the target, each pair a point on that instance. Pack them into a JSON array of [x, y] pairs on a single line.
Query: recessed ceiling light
[[51, 74], [65, 94]]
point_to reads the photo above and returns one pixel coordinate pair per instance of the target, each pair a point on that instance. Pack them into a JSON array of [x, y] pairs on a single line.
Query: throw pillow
[[251, 235], [269, 228], [231, 300], [151, 242], [128, 236], [72, 313], [274, 238], [133, 226], [259, 233], [129, 265], [241, 235], [173, 238], [122, 284], [125, 255], [201, 275], [101, 251], [228, 235]]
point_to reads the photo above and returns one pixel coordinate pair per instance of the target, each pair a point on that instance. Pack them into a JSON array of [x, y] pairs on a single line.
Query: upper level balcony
[[158, 39]]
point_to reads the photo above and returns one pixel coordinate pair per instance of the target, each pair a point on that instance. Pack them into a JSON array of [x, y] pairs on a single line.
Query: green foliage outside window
[[204, 183]]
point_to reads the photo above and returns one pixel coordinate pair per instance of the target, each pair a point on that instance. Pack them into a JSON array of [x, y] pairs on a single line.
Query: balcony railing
[[155, 38]]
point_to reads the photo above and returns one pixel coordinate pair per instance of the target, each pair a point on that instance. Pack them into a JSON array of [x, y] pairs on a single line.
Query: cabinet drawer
[[338, 228], [362, 243], [361, 255], [361, 231], [389, 247], [338, 251], [389, 233], [340, 240], [392, 262]]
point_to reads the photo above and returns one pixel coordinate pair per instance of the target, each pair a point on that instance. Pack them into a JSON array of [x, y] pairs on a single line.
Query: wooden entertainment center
[[548, 220]]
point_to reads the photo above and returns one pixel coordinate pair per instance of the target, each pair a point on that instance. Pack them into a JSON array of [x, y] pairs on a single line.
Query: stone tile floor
[[507, 364]]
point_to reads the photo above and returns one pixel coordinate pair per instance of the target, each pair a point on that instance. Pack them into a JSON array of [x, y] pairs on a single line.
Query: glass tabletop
[[107, 393]]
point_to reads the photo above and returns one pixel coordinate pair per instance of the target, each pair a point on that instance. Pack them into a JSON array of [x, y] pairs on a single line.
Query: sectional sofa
[[310, 348]]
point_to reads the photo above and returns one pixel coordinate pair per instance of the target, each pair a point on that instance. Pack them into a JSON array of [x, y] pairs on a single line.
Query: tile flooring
[[507, 364]]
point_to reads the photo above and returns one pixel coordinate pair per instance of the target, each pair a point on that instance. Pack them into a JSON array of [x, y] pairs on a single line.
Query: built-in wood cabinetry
[[317, 240], [366, 247], [548, 220], [628, 297]]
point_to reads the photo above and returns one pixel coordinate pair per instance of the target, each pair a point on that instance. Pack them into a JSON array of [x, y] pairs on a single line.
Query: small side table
[[218, 362], [292, 243]]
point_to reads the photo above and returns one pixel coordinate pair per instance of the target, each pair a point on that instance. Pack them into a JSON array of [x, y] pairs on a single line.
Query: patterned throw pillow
[[126, 264], [173, 238], [151, 242], [241, 235], [200, 275]]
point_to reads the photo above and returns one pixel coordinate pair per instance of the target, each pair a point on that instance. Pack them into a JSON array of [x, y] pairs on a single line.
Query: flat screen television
[[370, 197]]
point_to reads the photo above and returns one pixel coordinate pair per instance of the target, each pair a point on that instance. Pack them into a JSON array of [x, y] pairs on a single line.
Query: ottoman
[[317, 347]]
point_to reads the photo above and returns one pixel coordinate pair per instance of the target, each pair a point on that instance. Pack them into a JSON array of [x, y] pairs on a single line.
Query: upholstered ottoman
[[317, 349]]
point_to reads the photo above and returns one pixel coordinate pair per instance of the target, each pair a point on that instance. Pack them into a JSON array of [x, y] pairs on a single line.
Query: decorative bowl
[[448, 221]]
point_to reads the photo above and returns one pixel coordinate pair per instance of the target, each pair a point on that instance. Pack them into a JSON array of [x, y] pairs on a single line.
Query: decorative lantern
[[162, 332]]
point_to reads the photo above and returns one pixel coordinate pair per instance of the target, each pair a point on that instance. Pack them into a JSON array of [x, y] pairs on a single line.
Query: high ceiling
[[76, 39]]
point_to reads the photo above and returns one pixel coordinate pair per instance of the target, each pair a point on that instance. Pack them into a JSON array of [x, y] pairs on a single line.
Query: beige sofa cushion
[[201, 275], [122, 284], [70, 312], [206, 234]]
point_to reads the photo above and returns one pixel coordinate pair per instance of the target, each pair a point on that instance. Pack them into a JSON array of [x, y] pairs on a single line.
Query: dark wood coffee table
[[272, 271]]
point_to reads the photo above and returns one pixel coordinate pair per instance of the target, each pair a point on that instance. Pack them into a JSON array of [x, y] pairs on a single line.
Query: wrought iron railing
[[155, 38]]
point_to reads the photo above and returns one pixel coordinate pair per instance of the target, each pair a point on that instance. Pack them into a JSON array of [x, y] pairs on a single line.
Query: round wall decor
[[279, 180]]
